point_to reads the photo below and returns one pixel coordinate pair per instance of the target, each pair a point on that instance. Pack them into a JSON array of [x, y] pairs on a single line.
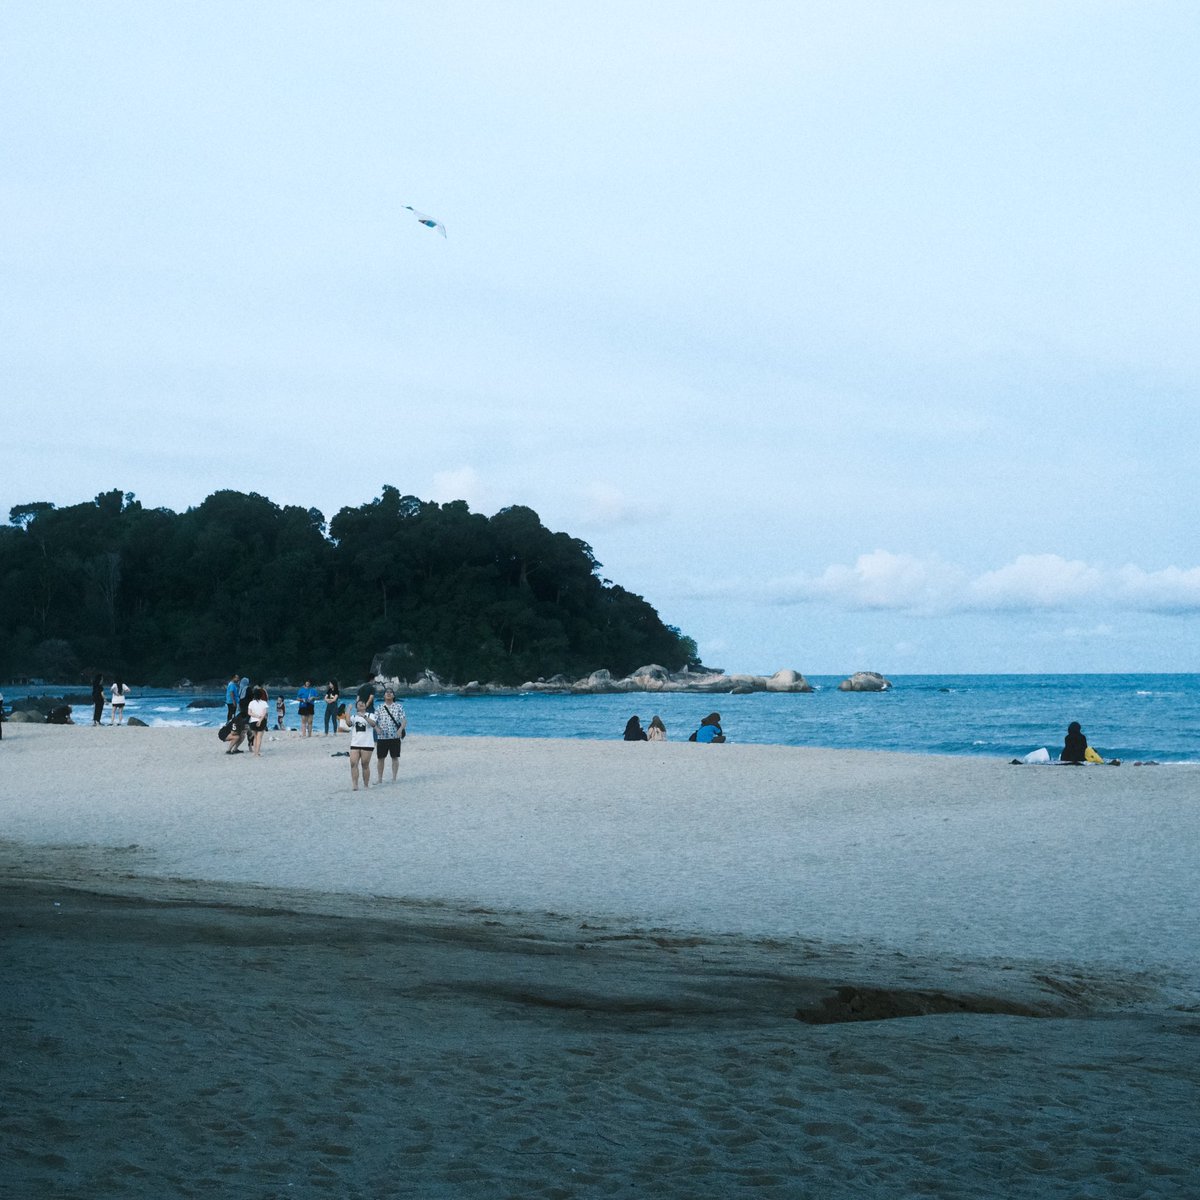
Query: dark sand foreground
[[237, 1047]]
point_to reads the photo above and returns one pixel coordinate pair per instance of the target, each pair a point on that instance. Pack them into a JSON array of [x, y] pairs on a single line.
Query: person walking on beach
[[332, 695], [362, 743], [390, 727], [256, 712], [231, 697], [119, 692], [97, 700], [656, 731], [306, 699], [633, 730]]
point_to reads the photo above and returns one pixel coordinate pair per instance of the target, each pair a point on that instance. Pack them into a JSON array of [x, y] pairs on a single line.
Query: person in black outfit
[[634, 731], [1074, 746], [97, 699]]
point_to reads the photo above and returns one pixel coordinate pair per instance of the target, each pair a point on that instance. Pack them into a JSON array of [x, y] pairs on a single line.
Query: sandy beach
[[565, 968]]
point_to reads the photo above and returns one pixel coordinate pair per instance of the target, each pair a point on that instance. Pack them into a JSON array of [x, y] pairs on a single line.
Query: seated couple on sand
[[656, 732]]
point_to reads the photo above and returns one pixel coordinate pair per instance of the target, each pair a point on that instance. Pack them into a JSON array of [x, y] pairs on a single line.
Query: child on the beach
[[280, 712]]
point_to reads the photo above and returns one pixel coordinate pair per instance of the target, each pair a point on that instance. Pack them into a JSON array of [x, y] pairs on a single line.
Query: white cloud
[[883, 580], [878, 580], [463, 483], [607, 505]]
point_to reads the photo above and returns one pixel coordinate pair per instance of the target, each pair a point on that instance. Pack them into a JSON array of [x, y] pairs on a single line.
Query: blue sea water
[[1131, 717]]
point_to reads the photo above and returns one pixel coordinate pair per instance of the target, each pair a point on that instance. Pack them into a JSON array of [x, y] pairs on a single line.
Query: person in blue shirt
[[231, 696], [307, 699], [710, 730]]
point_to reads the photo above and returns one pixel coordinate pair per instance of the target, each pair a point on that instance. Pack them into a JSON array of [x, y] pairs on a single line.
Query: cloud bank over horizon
[[931, 587]]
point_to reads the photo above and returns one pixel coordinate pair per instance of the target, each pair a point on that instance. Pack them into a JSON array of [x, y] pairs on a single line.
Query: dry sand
[[571, 969]]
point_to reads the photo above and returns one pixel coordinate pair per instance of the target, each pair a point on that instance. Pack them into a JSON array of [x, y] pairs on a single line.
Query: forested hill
[[240, 583]]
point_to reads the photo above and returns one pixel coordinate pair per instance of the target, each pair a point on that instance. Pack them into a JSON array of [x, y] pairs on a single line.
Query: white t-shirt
[[257, 711], [361, 735]]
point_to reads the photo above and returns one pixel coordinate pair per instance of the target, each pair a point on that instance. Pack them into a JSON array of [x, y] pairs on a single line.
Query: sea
[[1130, 717]]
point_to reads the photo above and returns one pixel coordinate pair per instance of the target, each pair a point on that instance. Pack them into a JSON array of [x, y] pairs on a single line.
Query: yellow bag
[[1089, 755]]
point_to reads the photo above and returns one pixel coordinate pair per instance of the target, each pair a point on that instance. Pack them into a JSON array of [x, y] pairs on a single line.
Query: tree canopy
[[239, 582]]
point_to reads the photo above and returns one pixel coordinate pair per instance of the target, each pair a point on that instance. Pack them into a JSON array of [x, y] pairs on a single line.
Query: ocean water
[[1131, 717]]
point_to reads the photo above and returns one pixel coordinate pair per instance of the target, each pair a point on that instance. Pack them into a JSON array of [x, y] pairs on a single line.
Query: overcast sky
[[852, 335]]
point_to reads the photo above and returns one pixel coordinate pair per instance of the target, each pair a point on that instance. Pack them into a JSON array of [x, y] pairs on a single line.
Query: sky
[[851, 334]]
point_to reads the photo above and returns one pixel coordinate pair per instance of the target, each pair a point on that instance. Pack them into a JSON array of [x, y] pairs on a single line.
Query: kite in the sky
[[427, 220]]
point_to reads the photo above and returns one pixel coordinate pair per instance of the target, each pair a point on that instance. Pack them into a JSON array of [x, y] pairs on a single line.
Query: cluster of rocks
[[650, 678]]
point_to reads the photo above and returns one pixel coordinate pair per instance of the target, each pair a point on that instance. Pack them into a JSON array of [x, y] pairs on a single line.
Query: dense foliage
[[241, 583]]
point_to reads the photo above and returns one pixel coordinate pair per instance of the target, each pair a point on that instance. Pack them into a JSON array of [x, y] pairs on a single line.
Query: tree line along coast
[[397, 587]]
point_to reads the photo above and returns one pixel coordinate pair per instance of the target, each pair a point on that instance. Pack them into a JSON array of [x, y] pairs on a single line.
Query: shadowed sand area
[[242, 1028]]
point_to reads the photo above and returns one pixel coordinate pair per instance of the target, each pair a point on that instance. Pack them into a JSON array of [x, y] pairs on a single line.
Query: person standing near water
[[231, 696], [119, 692], [332, 695], [256, 712], [390, 725], [306, 698], [97, 700], [362, 743]]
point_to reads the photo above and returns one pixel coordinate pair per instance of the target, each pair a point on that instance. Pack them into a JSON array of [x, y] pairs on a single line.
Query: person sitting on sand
[[710, 730], [634, 731], [656, 731], [1074, 746]]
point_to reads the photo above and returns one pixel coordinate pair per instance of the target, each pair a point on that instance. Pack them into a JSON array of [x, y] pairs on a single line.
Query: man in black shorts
[[390, 726]]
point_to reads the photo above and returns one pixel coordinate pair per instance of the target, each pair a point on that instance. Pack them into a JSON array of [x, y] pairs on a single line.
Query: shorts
[[386, 747], [306, 710]]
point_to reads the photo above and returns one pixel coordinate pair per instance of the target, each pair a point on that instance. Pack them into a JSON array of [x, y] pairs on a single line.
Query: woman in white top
[[119, 692], [362, 743], [657, 731], [256, 711]]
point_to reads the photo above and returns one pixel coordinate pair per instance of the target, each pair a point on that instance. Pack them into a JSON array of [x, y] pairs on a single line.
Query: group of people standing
[[373, 731], [117, 694], [709, 730]]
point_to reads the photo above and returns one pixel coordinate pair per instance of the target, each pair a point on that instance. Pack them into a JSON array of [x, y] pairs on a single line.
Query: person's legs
[[380, 757], [396, 760], [358, 757]]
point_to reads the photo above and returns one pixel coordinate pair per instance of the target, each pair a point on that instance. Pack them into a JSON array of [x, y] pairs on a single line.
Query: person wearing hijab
[[1074, 746], [634, 731], [710, 730]]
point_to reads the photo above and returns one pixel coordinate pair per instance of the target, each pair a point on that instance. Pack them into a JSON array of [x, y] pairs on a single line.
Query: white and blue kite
[[427, 220]]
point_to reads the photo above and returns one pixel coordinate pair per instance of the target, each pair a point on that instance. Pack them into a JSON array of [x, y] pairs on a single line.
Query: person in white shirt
[[362, 743], [257, 712]]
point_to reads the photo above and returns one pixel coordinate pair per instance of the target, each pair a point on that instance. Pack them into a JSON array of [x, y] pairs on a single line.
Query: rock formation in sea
[[650, 678], [865, 681]]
